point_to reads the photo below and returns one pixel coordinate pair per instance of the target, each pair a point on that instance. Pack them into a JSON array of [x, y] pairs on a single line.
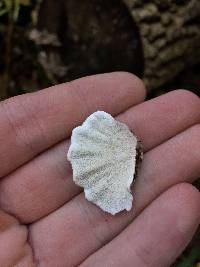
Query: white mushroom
[[103, 155]]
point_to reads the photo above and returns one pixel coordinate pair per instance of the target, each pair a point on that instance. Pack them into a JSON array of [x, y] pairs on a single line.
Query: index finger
[[34, 122]]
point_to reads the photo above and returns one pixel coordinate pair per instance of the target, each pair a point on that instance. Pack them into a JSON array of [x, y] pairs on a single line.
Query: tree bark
[[170, 34], [152, 38]]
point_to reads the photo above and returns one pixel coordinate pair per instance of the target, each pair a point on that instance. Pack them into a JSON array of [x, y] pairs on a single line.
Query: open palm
[[44, 218]]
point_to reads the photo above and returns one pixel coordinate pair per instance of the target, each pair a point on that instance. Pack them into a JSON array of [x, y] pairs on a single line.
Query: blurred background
[[46, 42]]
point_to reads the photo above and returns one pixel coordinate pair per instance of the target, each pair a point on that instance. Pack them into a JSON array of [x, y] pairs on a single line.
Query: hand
[[45, 220]]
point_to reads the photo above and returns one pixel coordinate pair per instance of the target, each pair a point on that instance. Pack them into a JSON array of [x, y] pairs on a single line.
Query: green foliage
[[12, 7], [190, 259]]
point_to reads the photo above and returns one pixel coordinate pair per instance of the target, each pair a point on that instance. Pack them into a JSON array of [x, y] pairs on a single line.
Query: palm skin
[[45, 219]]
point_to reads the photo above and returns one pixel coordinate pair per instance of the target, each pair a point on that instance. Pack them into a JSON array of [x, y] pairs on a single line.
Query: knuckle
[[10, 112], [16, 115]]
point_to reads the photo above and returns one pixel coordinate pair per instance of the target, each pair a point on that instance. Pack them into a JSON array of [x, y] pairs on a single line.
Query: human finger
[[172, 162], [33, 122], [159, 119], [157, 236]]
